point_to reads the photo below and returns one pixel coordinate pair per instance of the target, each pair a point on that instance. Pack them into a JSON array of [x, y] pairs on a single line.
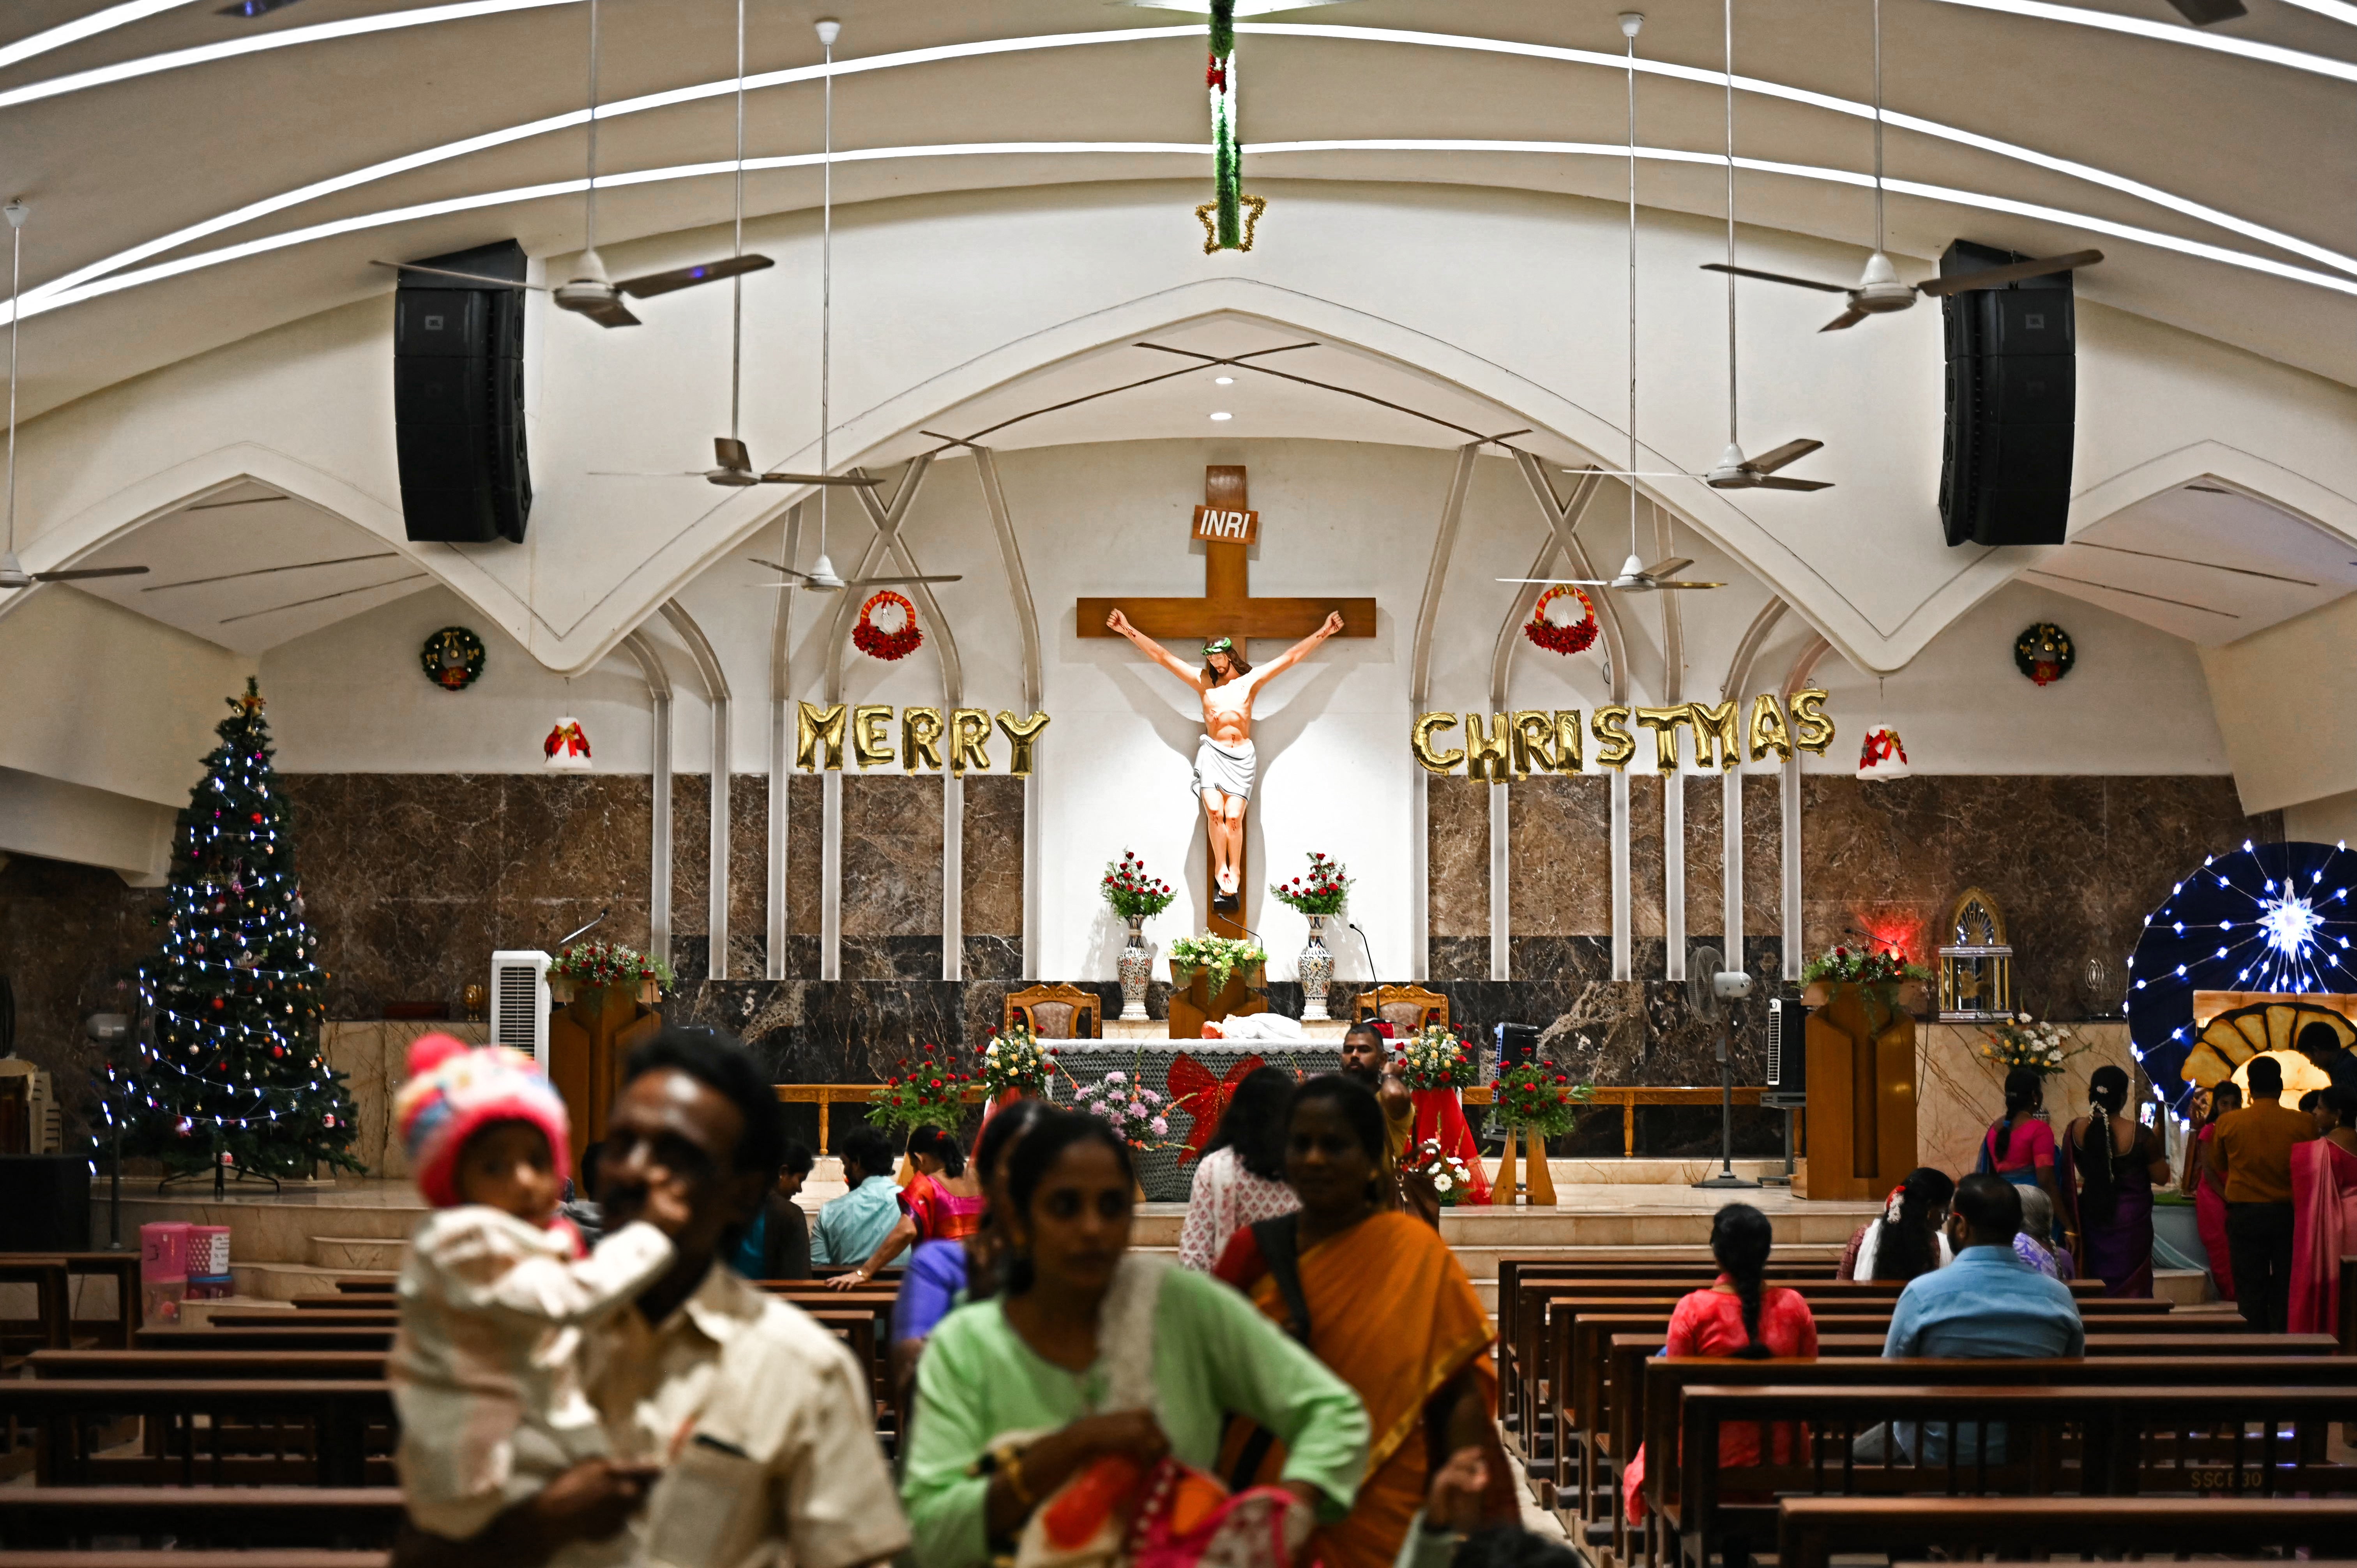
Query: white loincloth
[[1230, 770]]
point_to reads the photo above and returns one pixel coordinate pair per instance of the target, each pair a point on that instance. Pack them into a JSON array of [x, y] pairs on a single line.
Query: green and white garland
[[1225, 225]]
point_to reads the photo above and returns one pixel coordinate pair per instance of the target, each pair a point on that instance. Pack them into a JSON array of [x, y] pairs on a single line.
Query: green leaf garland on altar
[[598, 966], [1220, 957]]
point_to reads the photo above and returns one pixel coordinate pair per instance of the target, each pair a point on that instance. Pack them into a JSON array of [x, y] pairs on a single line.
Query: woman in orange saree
[[1378, 1296]]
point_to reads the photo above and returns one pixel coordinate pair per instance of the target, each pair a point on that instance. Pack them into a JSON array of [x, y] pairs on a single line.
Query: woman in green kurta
[[1093, 1350]]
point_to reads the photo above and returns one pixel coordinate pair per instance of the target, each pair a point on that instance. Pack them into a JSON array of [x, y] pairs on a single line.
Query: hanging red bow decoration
[[1194, 1090], [875, 641], [567, 745]]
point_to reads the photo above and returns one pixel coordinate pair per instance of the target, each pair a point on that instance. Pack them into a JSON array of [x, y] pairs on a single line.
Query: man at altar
[[1413, 1117]]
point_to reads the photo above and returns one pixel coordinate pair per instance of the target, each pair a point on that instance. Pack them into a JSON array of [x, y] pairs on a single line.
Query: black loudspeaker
[[1516, 1044], [2005, 466], [44, 1203], [1788, 1053], [458, 400]]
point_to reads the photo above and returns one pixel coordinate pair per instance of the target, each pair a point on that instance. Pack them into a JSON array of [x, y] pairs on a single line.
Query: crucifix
[[1226, 617]]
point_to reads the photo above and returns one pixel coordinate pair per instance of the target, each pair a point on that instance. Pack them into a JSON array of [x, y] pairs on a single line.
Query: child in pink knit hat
[[496, 1289]]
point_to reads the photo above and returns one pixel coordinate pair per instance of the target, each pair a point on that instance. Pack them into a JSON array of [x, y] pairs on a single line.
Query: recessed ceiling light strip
[[2167, 32], [246, 44], [82, 27], [674, 97], [1968, 199]]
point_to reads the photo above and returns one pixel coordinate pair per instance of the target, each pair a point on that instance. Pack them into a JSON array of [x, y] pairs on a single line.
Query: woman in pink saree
[[2207, 1189], [2324, 1216]]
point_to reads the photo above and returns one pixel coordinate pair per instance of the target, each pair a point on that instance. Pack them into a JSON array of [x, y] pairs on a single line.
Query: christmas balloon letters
[[926, 739], [1509, 747]]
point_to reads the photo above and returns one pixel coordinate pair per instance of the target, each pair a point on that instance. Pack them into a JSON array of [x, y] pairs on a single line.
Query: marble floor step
[[360, 1253], [285, 1281]]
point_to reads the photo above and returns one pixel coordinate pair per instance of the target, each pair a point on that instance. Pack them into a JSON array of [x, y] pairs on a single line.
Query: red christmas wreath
[[878, 644], [1555, 636]]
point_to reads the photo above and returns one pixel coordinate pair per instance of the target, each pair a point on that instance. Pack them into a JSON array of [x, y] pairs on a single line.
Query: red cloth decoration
[[1194, 1090], [1439, 1115]]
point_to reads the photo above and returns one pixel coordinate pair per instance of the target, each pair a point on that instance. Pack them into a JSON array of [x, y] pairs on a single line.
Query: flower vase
[[1502, 1186], [1136, 967], [1316, 971], [1540, 1182]]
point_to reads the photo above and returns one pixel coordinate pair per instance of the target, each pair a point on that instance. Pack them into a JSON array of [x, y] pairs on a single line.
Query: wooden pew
[[51, 1326], [2096, 1440], [201, 1518], [333, 1365], [315, 1432], [378, 1319], [111, 1333], [1810, 1530], [294, 1337], [364, 1287], [283, 1557]]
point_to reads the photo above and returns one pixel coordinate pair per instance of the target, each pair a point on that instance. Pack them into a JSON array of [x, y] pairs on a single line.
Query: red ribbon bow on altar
[[1194, 1090]]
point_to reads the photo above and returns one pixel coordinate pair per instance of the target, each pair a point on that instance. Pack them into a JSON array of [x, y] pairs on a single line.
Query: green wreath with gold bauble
[[452, 658], [2043, 653]]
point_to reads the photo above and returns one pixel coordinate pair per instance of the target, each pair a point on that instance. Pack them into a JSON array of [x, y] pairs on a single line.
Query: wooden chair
[[1057, 1011], [1406, 1008]]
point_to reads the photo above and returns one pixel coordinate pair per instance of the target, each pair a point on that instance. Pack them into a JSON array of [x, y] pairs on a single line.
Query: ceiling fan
[[1878, 291], [589, 292], [823, 577], [1635, 577], [12, 571]]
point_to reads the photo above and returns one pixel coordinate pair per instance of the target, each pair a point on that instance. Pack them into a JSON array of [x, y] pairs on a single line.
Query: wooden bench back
[[201, 1518], [1810, 1530], [208, 1432]]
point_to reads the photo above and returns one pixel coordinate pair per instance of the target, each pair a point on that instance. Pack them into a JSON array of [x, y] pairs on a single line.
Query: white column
[[952, 877], [1674, 874], [1730, 815], [1791, 786], [1623, 962], [1501, 887], [830, 891], [1419, 881]]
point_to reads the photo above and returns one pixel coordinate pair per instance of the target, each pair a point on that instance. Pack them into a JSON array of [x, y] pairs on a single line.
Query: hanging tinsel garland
[[1231, 216]]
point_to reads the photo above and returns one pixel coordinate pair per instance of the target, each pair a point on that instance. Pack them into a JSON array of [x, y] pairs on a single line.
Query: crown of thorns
[[1225, 645]]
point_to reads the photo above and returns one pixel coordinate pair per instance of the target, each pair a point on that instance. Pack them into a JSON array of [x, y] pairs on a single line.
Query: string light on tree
[[229, 1069]]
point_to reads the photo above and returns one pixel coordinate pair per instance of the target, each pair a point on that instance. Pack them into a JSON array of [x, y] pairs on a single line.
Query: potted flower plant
[[1137, 1114], [2023, 1041], [1446, 1172], [1884, 982], [1136, 896], [1542, 1103], [1219, 958], [1015, 1065], [1437, 1057], [927, 1089]]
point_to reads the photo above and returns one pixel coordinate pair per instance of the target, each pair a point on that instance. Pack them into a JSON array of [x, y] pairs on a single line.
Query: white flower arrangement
[[2023, 1041], [1446, 1172]]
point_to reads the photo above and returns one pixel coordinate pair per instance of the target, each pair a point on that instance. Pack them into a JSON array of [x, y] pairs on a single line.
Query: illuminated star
[[2290, 925]]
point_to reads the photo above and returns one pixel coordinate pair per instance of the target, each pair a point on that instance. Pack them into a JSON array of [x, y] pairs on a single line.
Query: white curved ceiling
[[2038, 131]]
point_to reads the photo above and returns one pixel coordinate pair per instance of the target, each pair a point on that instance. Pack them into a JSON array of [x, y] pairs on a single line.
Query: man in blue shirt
[[852, 1226], [1987, 1303]]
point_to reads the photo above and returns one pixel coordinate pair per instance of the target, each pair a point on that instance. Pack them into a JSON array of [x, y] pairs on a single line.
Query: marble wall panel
[[749, 875], [1457, 897], [691, 856], [2074, 862], [1706, 856], [1645, 855], [891, 859], [806, 836], [570, 844], [1763, 854], [1559, 829], [71, 937], [991, 853]]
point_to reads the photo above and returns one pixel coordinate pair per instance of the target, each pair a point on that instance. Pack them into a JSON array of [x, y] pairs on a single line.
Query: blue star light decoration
[[2268, 918]]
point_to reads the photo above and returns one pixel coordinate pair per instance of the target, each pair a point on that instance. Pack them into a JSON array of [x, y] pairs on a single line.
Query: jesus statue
[[1226, 763]]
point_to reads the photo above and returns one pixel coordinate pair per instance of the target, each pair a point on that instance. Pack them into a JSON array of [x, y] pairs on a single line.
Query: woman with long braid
[[1743, 1319], [2109, 1167], [2019, 1146]]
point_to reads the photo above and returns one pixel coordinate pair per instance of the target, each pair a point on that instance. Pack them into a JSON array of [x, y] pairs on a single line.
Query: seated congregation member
[[2033, 1244], [2250, 1150], [1743, 1319], [2109, 1167], [943, 1202], [741, 1432], [1241, 1178], [1381, 1299], [2324, 1215], [2207, 1187], [1908, 1240], [852, 1228], [1093, 1351], [776, 1246], [1987, 1303], [942, 1274], [496, 1289], [2019, 1146]]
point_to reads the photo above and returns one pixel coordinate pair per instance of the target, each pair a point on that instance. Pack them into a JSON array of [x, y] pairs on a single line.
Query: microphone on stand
[[1369, 949], [569, 936]]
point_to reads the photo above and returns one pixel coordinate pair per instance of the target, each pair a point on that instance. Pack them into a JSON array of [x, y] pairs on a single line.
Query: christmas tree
[[229, 1070]]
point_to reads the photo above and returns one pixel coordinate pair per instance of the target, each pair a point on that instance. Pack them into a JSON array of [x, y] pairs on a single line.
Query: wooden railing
[[1627, 1096]]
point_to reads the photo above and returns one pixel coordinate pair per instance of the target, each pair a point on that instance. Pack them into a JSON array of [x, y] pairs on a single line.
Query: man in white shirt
[[742, 1432]]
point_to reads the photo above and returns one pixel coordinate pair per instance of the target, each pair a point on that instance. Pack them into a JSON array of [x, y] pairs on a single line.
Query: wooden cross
[[1226, 609]]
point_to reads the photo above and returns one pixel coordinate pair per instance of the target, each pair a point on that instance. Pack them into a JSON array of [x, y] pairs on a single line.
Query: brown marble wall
[[891, 877], [991, 853], [2074, 861], [1457, 823], [70, 939], [1559, 840]]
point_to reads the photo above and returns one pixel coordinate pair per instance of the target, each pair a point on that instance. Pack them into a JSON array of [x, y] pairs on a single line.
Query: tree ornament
[[1882, 758], [567, 745], [878, 644], [2043, 653], [452, 658], [1230, 218], [1562, 636]]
